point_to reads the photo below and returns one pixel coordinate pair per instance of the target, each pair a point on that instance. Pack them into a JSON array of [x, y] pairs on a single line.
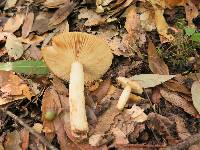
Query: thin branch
[[32, 131]]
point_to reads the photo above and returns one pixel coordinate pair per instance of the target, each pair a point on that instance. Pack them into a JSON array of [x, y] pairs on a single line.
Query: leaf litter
[[139, 33]]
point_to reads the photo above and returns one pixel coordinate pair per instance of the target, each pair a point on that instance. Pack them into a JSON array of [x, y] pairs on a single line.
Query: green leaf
[[189, 31], [196, 37], [28, 67]]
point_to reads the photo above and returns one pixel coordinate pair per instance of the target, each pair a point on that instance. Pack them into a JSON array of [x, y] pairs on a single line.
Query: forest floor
[[155, 43]]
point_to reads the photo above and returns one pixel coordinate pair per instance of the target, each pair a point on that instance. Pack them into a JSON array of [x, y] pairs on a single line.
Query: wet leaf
[[195, 95], [29, 67], [151, 80], [156, 64], [14, 47], [14, 23]]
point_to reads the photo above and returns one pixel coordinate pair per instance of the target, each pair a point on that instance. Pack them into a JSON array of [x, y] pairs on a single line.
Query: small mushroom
[[78, 58], [129, 85]]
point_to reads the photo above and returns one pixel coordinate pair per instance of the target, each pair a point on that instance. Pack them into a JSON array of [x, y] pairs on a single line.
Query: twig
[[37, 135], [186, 143]]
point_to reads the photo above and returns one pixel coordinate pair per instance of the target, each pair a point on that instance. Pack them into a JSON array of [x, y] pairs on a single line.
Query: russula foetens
[[78, 58], [129, 85]]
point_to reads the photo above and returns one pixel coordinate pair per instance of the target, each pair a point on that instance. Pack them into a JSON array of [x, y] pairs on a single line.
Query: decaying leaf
[[162, 125], [12, 141], [33, 52], [32, 39], [40, 23], [14, 23], [25, 138], [10, 4], [177, 87], [54, 3], [96, 139], [182, 131], [120, 137], [178, 101], [156, 64], [13, 88], [137, 114], [62, 13], [151, 80], [195, 95], [14, 47], [92, 17], [27, 26], [55, 100]]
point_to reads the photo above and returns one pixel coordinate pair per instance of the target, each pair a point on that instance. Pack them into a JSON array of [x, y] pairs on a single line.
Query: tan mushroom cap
[[91, 51], [135, 86]]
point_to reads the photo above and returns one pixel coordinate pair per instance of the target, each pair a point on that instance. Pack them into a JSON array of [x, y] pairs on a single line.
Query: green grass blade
[[28, 67]]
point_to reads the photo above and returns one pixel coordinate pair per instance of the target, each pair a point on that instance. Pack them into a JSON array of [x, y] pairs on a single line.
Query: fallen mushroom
[[78, 58], [129, 85]]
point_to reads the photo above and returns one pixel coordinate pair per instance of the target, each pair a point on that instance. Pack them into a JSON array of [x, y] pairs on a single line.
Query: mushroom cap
[[135, 86], [89, 50]]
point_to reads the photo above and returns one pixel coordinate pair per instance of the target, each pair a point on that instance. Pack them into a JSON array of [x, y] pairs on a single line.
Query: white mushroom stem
[[78, 119], [124, 97]]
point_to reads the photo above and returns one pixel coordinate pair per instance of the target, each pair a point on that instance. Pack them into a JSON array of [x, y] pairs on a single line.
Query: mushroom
[[129, 85], [78, 58]]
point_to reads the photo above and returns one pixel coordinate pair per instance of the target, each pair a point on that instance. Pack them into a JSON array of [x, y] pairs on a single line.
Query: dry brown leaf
[[12, 141], [161, 24], [92, 17], [191, 12], [177, 87], [137, 114], [62, 13], [195, 95], [173, 3], [156, 64], [55, 99], [25, 138], [190, 9], [120, 137], [96, 139], [32, 39], [102, 90], [27, 26], [33, 52], [40, 23], [178, 101], [155, 97], [14, 23], [136, 37], [182, 131], [10, 4], [14, 46], [13, 88], [54, 3]]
